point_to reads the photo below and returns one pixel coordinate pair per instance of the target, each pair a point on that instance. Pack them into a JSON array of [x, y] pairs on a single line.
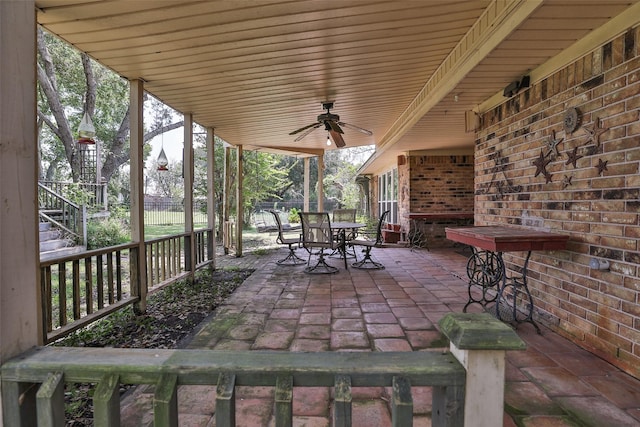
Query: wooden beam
[[320, 184], [306, 186], [136, 179], [106, 401], [211, 197], [50, 401], [226, 197], [187, 168], [20, 307], [239, 199]]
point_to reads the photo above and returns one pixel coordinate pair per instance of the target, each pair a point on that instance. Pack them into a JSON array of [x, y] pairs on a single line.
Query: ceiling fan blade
[[334, 126], [304, 128], [307, 132], [337, 138], [354, 127]]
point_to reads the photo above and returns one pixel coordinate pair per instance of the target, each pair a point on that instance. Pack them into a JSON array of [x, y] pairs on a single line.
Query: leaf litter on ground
[[172, 316]]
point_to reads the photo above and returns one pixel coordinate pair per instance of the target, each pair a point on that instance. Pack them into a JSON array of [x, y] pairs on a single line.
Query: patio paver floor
[[552, 383]]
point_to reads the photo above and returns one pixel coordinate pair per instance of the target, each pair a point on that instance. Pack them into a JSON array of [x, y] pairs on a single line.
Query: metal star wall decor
[[572, 157], [547, 176], [602, 166], [566, 181], [594, 131], [552, 144], [503, 186], [541, 164]]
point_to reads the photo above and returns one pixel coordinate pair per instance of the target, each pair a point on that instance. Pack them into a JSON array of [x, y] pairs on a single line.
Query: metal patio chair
[[367, 244], [291, 258], [317, 237]]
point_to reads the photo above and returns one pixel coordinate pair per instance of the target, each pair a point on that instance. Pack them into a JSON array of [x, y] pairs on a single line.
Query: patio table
[[486, 268], [340, 228]]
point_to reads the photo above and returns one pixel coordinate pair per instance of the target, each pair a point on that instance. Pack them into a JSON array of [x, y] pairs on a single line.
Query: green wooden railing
[[33, 384]]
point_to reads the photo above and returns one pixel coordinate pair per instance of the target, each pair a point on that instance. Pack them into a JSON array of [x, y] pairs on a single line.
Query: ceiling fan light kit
[[332, 125]]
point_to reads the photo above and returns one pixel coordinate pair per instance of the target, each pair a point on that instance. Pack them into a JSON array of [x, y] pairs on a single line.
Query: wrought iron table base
[[487, 270]]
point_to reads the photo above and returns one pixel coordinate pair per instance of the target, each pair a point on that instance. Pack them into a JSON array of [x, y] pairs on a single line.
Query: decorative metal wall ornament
[[566, 181], [594, 131], [571, 120], [503, 186], [602, 166], [552, 143], [548, 177], [541, 164], [572, 157]]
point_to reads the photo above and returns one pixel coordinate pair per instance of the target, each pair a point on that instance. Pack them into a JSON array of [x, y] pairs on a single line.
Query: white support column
[[321, 183], [239, 199], [306, 185], [211, 196], [20, 307], [226, 231], [187, 167], [136, 177], [479, 342]]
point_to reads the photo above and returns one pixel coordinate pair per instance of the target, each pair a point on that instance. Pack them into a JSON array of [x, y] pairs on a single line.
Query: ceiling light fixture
[[328, 140]]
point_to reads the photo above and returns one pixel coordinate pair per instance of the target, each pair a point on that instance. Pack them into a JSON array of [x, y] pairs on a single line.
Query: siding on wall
[[588, 189]]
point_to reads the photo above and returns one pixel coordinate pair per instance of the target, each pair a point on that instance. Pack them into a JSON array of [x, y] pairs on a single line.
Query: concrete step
[[52, 234], [52, 245], [65, 251]]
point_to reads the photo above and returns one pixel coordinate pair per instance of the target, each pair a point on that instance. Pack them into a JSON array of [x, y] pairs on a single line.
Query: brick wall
[[438, 184], [584, 183]]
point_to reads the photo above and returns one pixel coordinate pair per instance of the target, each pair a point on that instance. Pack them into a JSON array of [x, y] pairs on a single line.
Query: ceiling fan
[[332, 125]]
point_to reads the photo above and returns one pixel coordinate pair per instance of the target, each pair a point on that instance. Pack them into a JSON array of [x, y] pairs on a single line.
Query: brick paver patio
[[552, 383]]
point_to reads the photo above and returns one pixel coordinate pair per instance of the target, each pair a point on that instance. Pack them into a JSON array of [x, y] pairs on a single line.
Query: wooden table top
[[503, 239]]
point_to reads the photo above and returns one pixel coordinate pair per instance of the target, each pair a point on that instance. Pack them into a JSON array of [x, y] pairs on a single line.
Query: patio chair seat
[[316, 237], [291, 242], [367, 244]]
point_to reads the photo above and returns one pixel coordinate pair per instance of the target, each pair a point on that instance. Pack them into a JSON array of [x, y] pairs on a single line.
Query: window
[[388, 194]]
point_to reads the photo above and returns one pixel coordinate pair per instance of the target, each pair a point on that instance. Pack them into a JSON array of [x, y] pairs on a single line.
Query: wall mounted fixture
[[599, 264], [515, 86]]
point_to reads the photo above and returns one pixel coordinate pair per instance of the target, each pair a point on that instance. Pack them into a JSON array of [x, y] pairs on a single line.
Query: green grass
[[154, 231]]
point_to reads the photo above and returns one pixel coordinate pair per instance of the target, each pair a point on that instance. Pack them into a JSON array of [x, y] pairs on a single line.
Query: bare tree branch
[[90, 78]]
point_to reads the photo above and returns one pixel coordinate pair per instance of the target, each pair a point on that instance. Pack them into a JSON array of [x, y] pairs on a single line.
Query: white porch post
[[20, 305], [320, 183], [239, 197], [211, 197], [305, 187], [479, 342], [226, 232], [187, 168], [139, 272]]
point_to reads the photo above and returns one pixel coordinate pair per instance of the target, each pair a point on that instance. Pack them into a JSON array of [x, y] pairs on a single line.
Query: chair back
[[381, 222], [344, 215], [276, 217], [316, 230]]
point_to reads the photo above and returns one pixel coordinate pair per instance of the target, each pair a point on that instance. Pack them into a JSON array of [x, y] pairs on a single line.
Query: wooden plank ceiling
[[257, 70]]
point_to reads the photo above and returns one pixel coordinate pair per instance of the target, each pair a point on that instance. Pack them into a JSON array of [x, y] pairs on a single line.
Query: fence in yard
[[171, 212]]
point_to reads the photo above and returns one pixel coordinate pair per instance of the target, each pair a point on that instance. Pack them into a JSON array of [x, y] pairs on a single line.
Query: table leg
[[485, 270], [518, 287]]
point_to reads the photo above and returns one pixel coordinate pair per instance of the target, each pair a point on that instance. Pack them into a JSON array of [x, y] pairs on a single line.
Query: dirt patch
[[173, 315]]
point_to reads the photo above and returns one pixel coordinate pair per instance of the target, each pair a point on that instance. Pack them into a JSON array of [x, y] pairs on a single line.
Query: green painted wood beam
[[479, 331]]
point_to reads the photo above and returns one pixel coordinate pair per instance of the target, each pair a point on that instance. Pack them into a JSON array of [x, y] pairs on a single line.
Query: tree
[[70, 84]]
